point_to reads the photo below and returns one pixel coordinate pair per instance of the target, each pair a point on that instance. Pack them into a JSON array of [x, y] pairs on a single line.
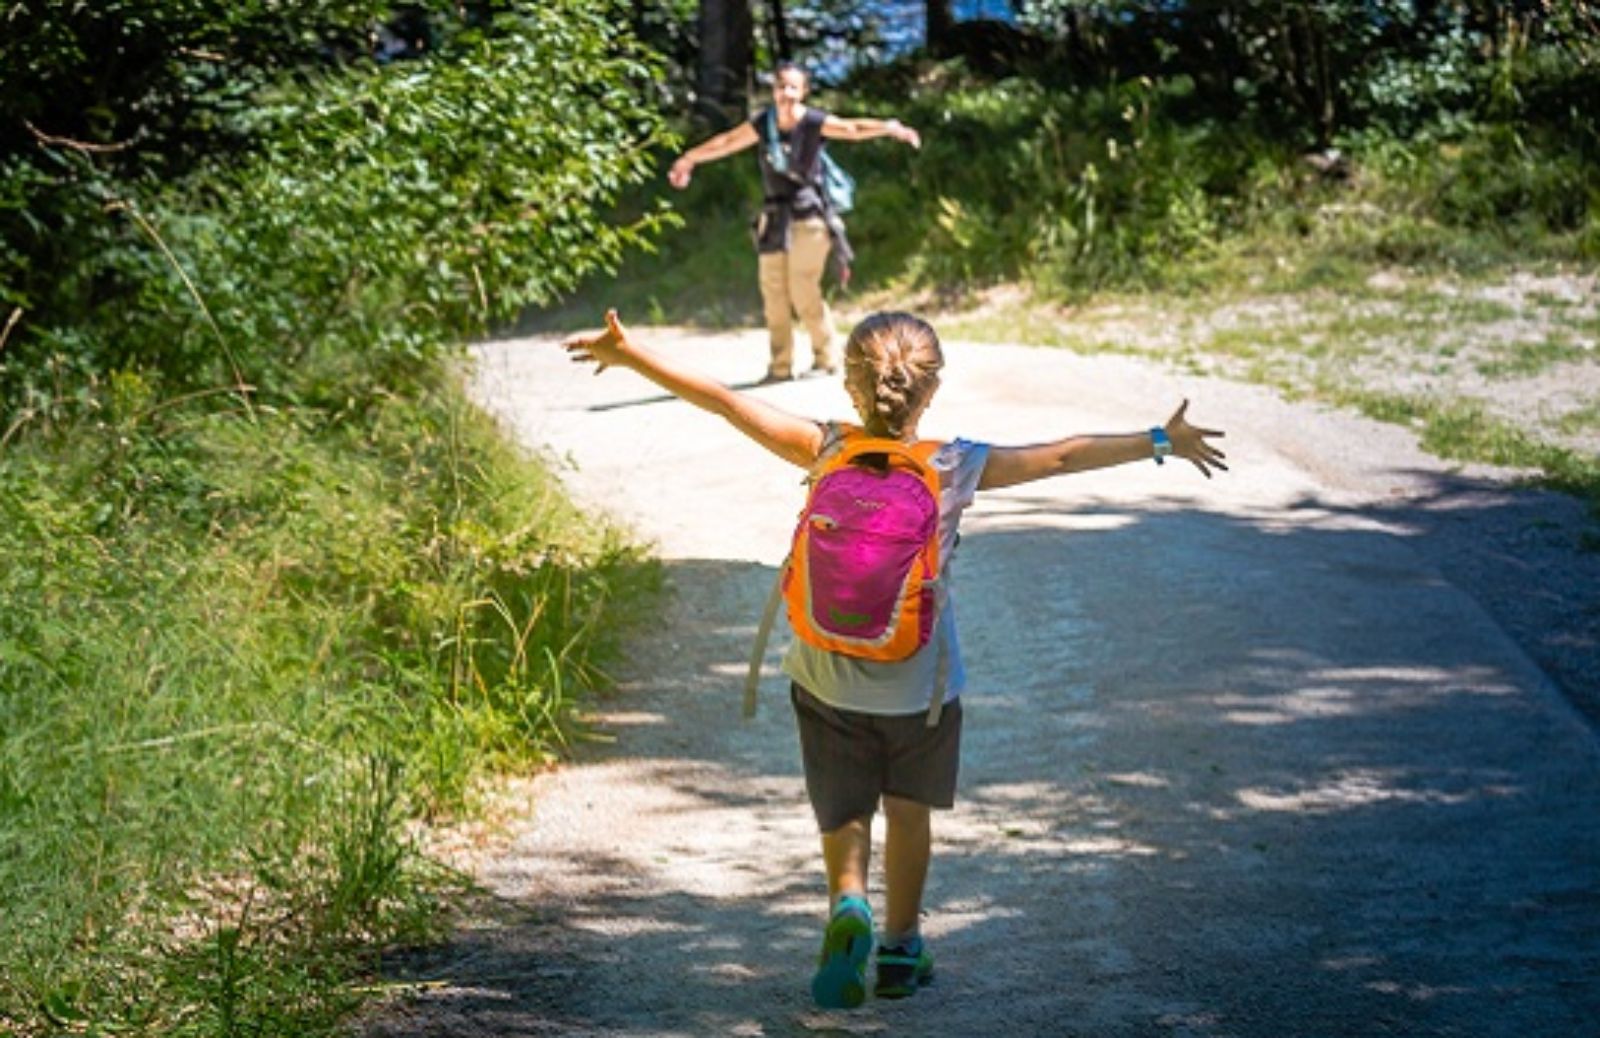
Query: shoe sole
[[916, 982], [904, 991], [841, 981]]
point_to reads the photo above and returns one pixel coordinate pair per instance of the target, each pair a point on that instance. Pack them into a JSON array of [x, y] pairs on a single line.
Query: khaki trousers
[[791, 282]]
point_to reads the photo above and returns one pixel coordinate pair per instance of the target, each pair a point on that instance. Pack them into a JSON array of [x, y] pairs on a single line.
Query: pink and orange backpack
[[863, 574]]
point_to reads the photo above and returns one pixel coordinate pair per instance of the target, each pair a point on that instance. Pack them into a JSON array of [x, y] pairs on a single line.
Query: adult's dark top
[[795, 193], [797, 189]]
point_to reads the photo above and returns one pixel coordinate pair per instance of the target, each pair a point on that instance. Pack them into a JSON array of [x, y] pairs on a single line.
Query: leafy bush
[[378, 211], [1083, 188], [192, 724], [275, 590]]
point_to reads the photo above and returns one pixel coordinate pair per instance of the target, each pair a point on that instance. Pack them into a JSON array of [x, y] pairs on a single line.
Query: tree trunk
[[940, 28], [781, 50], [725, 57]]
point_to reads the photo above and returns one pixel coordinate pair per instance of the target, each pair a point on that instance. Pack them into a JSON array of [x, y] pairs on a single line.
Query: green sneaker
[[902, 970], [841, 979]]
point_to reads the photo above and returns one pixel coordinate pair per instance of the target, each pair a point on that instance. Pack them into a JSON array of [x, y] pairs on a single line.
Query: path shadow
[[668, 398], [1263, 776]]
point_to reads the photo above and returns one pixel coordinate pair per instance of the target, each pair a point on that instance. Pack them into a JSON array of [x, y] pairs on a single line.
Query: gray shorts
[[852, 759]]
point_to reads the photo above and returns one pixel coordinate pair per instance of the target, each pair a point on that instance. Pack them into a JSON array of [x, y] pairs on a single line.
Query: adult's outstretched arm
[[861, 128], [726, 143]]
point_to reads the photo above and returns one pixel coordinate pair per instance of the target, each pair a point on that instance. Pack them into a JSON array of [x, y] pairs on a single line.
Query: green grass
[[1348, 347], [1522, 359], [1582, 419], [242, 652], [1462, 431]]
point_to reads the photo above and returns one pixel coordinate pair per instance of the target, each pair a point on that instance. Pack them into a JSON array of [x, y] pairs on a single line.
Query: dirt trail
[[1254, 757]]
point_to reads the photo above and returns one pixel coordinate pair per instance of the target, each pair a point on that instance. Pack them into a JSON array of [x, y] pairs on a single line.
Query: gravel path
[[1266, 756]]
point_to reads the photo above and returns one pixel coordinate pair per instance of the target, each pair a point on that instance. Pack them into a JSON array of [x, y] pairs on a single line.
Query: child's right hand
[[608, 349]]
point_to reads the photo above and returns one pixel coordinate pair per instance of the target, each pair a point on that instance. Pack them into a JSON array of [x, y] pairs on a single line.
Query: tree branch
[[50, 140], [11, 322]]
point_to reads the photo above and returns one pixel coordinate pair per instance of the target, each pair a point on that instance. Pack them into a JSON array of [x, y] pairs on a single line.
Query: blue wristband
[[1160, 445]]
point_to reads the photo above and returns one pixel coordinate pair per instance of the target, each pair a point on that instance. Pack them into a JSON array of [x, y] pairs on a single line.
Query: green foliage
[[378, 211], [453, 197], [218, 739], [1153, 182], [1463, 431], [275, 590]]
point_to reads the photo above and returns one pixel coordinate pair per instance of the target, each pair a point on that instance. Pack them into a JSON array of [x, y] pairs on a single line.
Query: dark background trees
[[726, 54], [1313, 70]]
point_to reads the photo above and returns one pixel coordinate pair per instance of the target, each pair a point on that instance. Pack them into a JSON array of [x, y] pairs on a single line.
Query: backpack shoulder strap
[[917, 457], [941, 673], [769, 614], [770, 153]]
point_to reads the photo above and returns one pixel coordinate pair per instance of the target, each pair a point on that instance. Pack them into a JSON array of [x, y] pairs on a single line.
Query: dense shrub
[[243, 651], [367, 209], [274, 588]]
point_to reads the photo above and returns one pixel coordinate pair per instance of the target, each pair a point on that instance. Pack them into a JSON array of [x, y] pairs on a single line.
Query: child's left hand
[[608, 349], [1189, 442]]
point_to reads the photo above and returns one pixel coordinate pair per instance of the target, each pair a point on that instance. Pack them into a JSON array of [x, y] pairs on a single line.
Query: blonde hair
[[891, 368]]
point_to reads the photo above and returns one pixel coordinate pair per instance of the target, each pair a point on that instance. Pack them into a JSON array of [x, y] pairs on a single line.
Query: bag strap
[[752, 678], [775, 157], [807, 145], [941, 670]]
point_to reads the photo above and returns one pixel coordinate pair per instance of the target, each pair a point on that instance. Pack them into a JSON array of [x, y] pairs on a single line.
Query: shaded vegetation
[[237, 725], [275, 590]]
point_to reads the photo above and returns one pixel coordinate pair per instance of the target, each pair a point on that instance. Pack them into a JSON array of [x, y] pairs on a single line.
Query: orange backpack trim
[[901, 640]]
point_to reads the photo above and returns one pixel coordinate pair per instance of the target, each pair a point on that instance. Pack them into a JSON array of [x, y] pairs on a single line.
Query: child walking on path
[[867, 735]]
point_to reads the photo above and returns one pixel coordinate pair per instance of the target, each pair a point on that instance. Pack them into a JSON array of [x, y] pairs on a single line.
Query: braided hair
[[891, 368]]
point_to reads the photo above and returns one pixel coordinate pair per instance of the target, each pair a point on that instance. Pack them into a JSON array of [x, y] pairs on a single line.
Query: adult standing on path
[[797, 227]]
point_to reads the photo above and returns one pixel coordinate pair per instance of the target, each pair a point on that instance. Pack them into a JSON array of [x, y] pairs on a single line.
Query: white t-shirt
[[905, 687]]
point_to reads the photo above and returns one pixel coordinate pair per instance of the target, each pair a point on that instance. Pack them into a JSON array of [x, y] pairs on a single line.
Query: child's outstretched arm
[[1009, 466], [789, 436]]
